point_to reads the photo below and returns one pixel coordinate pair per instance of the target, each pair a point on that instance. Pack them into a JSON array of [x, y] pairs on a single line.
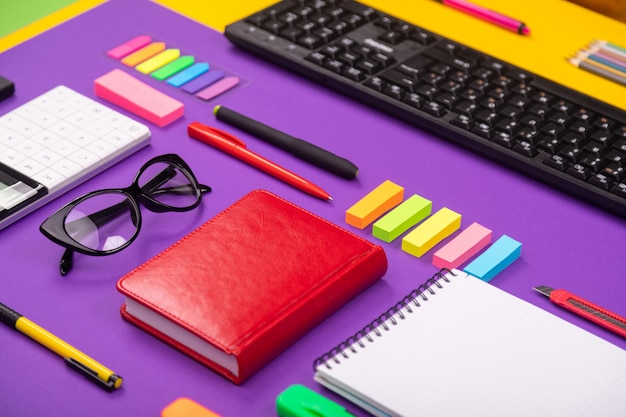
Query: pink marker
[[488, 15]]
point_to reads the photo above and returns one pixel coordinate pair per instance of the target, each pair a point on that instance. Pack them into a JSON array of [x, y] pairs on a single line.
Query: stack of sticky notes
[[392, 216], [177, 70], [139, 98]]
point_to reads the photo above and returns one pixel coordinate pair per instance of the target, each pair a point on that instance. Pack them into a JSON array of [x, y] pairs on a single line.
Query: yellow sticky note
[[432, 231], [378, 201], [157, 61]]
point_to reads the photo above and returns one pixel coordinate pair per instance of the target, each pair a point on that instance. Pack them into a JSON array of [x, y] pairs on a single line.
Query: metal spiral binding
[[373, 329]]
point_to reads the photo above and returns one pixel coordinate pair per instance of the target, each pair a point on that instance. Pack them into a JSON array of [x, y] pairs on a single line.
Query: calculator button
[[101, 149], [81, 119], [28, 147], [97, 110], [29, 167], [11, 157], [98, 128], [50, 178], [119, 139], [61, 92], [78, 101], [11, 120], [10, 138], [37, 115], [63, 128], [84, 158], [44, 101], [136, 130], [116, 120], [67, 168], [61, 110], [47, 157], [64, 147], [27, 128], [81, 138]]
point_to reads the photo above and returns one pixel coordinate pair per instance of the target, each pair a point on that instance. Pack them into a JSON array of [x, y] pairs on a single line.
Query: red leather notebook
[[247, 284]]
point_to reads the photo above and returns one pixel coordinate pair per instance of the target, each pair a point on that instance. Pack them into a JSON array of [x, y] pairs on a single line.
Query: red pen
[[237, 148], [584, 308]]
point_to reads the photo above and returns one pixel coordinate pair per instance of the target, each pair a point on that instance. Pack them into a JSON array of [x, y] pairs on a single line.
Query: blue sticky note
[[203, 81], [188, 74], [497, 257]]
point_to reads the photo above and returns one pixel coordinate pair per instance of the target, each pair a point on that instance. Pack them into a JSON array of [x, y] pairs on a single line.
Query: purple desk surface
[[566, 243]]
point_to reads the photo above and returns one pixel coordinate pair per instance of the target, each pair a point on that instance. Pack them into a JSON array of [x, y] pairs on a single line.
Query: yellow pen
[[74, 358]]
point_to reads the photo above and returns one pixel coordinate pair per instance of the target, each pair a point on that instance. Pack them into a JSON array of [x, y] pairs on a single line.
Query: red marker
[[585, 309], [235, 147], [488, 15]]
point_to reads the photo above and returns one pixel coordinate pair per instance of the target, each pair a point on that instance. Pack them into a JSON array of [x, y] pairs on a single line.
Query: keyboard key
[[601, 181], [557, 162]]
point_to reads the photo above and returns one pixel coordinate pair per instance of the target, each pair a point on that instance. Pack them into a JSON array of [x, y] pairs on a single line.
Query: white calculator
[[55, 142]]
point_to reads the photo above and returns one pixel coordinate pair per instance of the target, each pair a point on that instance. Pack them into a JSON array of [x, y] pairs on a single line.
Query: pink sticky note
[[129, 47], [465, 245], [128, 92], [218, 88]]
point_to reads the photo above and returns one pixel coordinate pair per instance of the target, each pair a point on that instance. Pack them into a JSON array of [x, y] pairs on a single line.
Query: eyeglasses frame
[[54, 226]]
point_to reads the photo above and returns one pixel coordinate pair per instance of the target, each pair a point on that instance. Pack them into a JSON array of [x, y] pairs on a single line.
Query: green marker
[[300, 401]]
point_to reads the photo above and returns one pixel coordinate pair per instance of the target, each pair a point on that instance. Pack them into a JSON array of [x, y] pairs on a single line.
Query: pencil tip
[[330, 198]]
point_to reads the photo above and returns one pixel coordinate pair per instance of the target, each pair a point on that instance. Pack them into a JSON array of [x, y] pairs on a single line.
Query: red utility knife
[[585, 309]]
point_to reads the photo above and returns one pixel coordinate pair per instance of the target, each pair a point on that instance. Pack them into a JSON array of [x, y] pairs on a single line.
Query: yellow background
[[558, 29]]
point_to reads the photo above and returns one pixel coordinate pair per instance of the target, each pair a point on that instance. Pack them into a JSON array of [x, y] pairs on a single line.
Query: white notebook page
[[473, 350]]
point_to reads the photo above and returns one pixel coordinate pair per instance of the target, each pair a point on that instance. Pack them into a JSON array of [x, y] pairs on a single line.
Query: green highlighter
[[300, 401]]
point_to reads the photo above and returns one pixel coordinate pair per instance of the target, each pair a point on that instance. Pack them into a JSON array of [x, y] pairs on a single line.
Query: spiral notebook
[[458, 346]]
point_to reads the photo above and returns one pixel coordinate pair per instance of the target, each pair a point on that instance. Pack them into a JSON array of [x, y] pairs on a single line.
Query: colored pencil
[[599, 69]]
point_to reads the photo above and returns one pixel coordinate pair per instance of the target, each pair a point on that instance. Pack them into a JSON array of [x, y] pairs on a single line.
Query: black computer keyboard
[[558, 136]]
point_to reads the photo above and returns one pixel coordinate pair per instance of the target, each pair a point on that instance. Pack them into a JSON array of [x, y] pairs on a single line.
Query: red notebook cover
[[247, 284]]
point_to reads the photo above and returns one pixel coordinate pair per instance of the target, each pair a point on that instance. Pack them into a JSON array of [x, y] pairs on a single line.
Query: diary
[[243, 287], [458, 346]]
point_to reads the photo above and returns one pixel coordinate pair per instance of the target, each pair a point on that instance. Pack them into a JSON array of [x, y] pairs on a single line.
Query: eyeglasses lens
[[169, 185], [103, 222]]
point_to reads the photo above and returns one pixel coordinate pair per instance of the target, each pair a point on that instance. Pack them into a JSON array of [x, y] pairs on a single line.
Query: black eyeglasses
[[106, 221]]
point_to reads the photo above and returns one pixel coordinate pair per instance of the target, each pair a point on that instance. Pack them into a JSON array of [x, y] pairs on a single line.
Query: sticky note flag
[[460, 249], [173, 67], [376, 203], [144, 53], [129, 47], [203, 81], [497, 257], [432, 231], [157, 61], [410, 212], [188, 74], [219, 87]]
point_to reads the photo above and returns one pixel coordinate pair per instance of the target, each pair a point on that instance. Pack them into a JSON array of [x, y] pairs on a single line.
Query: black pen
[[298, 147]]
